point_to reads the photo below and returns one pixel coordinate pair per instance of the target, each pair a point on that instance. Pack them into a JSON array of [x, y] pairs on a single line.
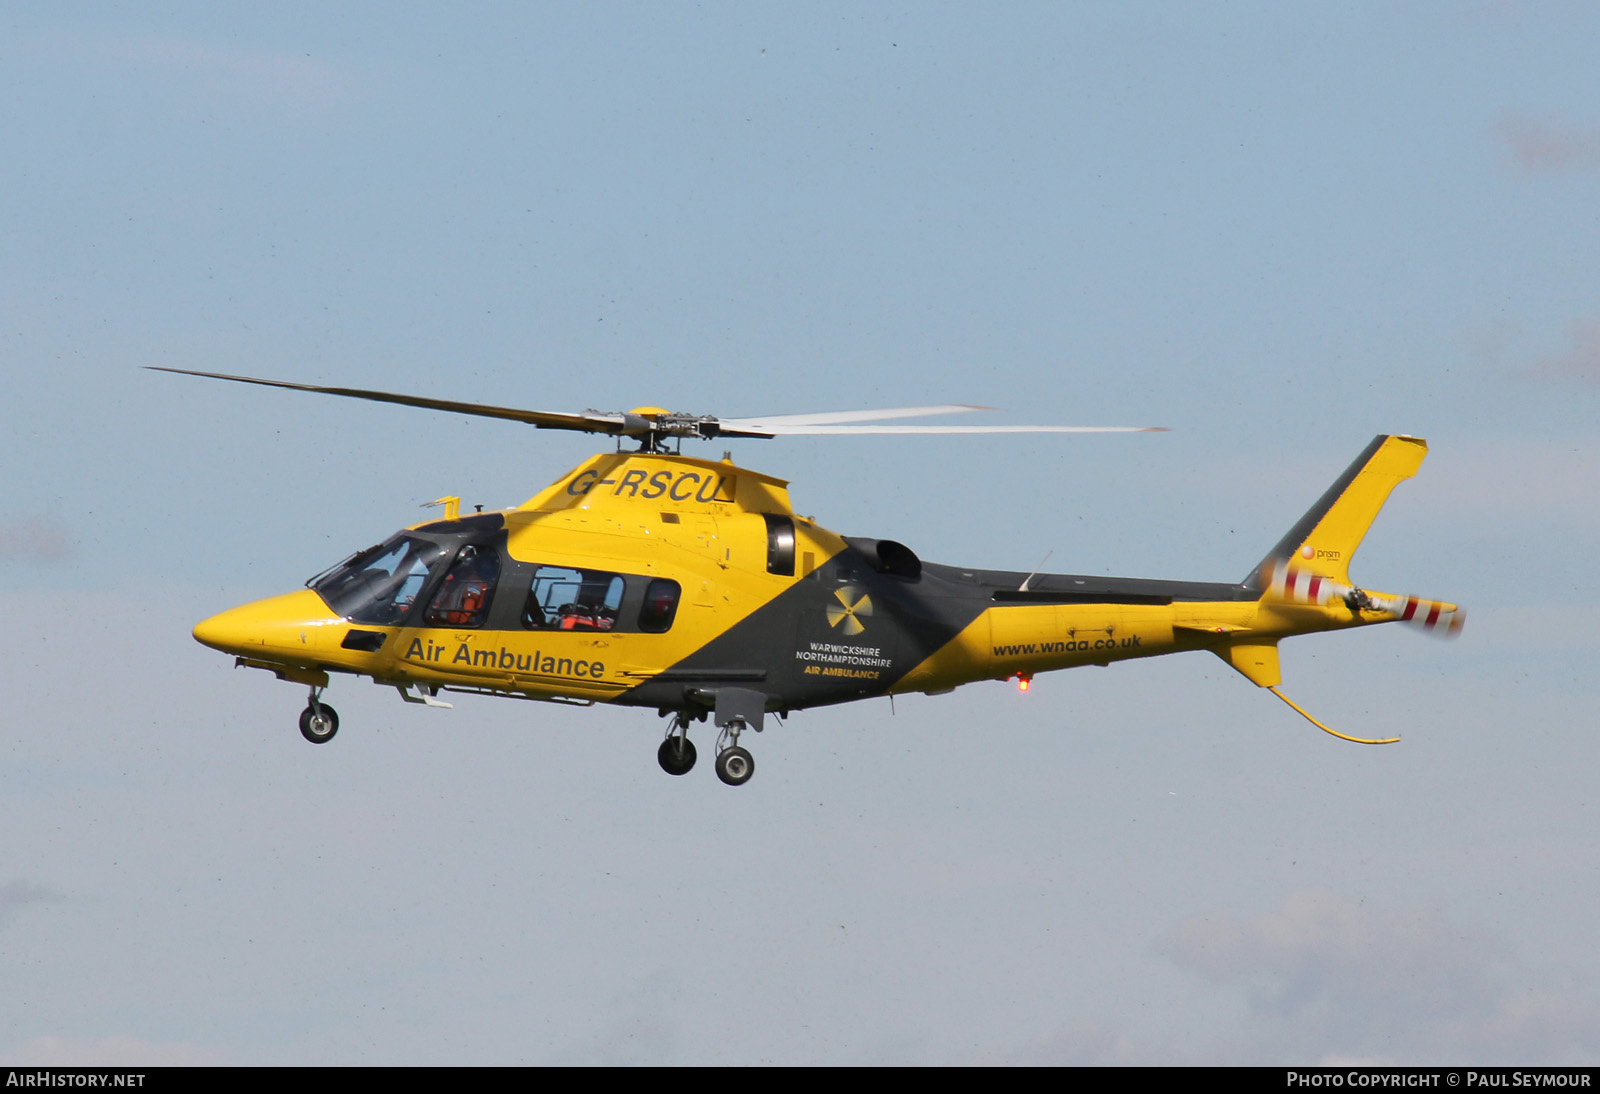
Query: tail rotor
[[1288, 584]]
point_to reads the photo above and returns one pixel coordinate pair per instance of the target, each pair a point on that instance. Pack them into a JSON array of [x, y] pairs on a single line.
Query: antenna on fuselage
[[1024, 586]]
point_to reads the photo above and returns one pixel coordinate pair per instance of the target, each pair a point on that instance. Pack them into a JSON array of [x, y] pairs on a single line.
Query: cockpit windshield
[[380, 584]]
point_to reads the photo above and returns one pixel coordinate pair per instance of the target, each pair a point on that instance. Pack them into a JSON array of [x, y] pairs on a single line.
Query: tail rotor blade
[[1294, 585], [1429, 616]]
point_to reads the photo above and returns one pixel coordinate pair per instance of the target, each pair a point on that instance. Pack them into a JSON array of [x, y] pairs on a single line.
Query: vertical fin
[[1323, 540]]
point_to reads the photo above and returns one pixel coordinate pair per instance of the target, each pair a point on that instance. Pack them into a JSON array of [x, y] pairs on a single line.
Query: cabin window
[[660, 605], [565, 599], [463, 597]]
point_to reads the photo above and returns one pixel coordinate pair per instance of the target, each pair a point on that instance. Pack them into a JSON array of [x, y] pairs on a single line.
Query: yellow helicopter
[[649, 578]]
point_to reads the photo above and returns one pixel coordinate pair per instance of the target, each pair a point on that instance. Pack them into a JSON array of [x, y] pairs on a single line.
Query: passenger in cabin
[[590, 611]]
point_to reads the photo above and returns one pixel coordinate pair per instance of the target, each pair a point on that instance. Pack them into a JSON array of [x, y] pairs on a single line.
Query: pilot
[[465, 593]]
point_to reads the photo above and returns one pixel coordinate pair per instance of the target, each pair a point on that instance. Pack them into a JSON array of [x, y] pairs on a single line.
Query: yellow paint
[[701, 523], [606, 514], [1327, 550], [1256, 661]]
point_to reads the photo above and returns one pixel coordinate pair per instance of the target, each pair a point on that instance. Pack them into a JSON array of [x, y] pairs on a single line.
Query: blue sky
[[1279, 231]]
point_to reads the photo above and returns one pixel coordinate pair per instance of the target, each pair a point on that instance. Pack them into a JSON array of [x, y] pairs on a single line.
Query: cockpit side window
[[561, 598], [463, 596], [379, 585]]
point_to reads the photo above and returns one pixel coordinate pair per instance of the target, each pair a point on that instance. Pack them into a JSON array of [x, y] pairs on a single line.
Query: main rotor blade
[[662, 424], [844, 430], [835, 417], [543, 419], [832, 424]]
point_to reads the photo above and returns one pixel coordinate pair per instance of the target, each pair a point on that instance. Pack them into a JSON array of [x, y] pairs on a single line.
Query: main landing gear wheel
[[318, 723], [735, 766], [676, 755]]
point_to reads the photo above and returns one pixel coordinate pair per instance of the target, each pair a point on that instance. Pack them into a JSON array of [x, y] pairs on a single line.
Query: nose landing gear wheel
[[676, 755], [735, 766], [318, 723]]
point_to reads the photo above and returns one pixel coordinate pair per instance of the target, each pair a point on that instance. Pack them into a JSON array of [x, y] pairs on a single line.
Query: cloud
[[37, 539], [640, 1028], [1503, 346], [1502, 487], [1580, 359], [275, 78], [1087, 1043], [1325, 978], [118, 1051], [1319, 950], [16, 895], [1550, 146]]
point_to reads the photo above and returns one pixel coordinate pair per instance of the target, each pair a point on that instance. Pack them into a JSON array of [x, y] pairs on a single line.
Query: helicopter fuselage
[[665, 581], [652, 579]]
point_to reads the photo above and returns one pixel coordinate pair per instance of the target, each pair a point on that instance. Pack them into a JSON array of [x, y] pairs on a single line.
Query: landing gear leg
[[737, 709], [318, 722], [734, 764], [676, 754]]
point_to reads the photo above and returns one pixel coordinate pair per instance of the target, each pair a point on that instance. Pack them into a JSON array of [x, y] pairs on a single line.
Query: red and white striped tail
[[1440, 620], [1286, 582], [1300, 586]]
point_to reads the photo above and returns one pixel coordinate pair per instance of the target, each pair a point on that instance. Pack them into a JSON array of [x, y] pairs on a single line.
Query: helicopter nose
[[291, 627]]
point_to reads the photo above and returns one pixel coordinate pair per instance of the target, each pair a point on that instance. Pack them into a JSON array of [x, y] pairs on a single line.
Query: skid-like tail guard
[[1257, 662], [1298, 709]]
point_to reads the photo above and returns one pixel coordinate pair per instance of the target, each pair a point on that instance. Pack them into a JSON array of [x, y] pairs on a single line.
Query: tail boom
[[1042, 622]]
